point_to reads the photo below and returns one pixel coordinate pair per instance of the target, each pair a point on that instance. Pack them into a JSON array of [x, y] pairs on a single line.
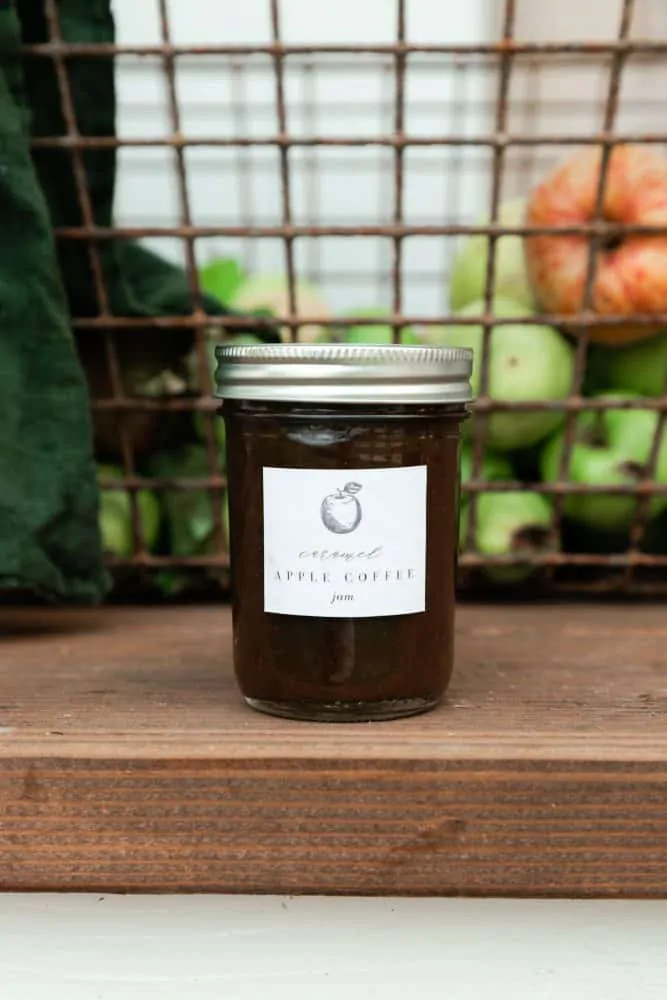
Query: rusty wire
[[391, 230], [399, 182], [396, 141], [594, 246], [612, 572], [198, 314], [242, 167], [58, 48], [263, 323], [95, 261], [499, 149]]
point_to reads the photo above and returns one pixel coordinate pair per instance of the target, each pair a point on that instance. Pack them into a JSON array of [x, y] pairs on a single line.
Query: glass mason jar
[[343, 466]]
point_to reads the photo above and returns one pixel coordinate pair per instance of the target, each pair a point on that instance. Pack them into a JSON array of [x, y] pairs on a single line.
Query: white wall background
[[222, 97], [349, 185]]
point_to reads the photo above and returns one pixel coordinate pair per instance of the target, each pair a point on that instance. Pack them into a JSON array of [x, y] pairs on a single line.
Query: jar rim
[[386, 373]]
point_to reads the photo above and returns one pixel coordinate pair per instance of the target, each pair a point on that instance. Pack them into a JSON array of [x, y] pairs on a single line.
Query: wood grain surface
[[128, 762]]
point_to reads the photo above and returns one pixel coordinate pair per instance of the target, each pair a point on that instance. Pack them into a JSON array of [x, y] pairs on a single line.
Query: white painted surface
[[247, 948]]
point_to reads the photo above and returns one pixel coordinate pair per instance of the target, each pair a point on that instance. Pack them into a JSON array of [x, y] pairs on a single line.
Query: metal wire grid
[[620, 571]]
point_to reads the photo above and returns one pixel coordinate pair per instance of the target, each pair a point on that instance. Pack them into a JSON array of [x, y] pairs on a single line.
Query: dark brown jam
[[343, 547]]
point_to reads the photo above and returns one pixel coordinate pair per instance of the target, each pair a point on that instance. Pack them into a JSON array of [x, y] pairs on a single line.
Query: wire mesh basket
[[360, 168]]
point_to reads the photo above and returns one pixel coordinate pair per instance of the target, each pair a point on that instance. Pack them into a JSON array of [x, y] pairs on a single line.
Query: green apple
[[640, 368], [236, 340], [219, 432], [596, 375], [173, 583], [213, 341], [221, 277], [516, 523], [527, 363], [468, 276], [239, 340], [270, 295], [380, 333], [494, 467], [189, 514], [115, 516], [611, 448]]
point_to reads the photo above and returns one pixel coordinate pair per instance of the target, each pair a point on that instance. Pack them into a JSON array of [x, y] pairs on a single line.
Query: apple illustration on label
[[341, 511]]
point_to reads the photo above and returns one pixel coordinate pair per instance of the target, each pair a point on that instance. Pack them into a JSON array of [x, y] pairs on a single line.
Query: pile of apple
[[533, 362], [528, 362]]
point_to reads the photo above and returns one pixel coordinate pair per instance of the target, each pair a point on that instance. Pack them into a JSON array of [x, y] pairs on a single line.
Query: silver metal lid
[[344, 373]]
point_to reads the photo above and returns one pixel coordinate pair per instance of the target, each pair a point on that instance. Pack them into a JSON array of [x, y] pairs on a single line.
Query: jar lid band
[[344, 373]]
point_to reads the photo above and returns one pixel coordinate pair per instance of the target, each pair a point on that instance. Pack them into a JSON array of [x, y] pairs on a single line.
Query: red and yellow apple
[[631, 270]]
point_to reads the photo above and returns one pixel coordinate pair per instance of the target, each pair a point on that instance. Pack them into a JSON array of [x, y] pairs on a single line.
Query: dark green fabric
[[138, 283], [48, 496], [92, 90]]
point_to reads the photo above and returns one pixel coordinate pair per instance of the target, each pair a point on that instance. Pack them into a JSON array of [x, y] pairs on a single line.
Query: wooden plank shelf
[[128, 763]]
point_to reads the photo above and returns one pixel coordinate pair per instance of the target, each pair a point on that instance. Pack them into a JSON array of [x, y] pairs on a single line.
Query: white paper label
[[345, 543]]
